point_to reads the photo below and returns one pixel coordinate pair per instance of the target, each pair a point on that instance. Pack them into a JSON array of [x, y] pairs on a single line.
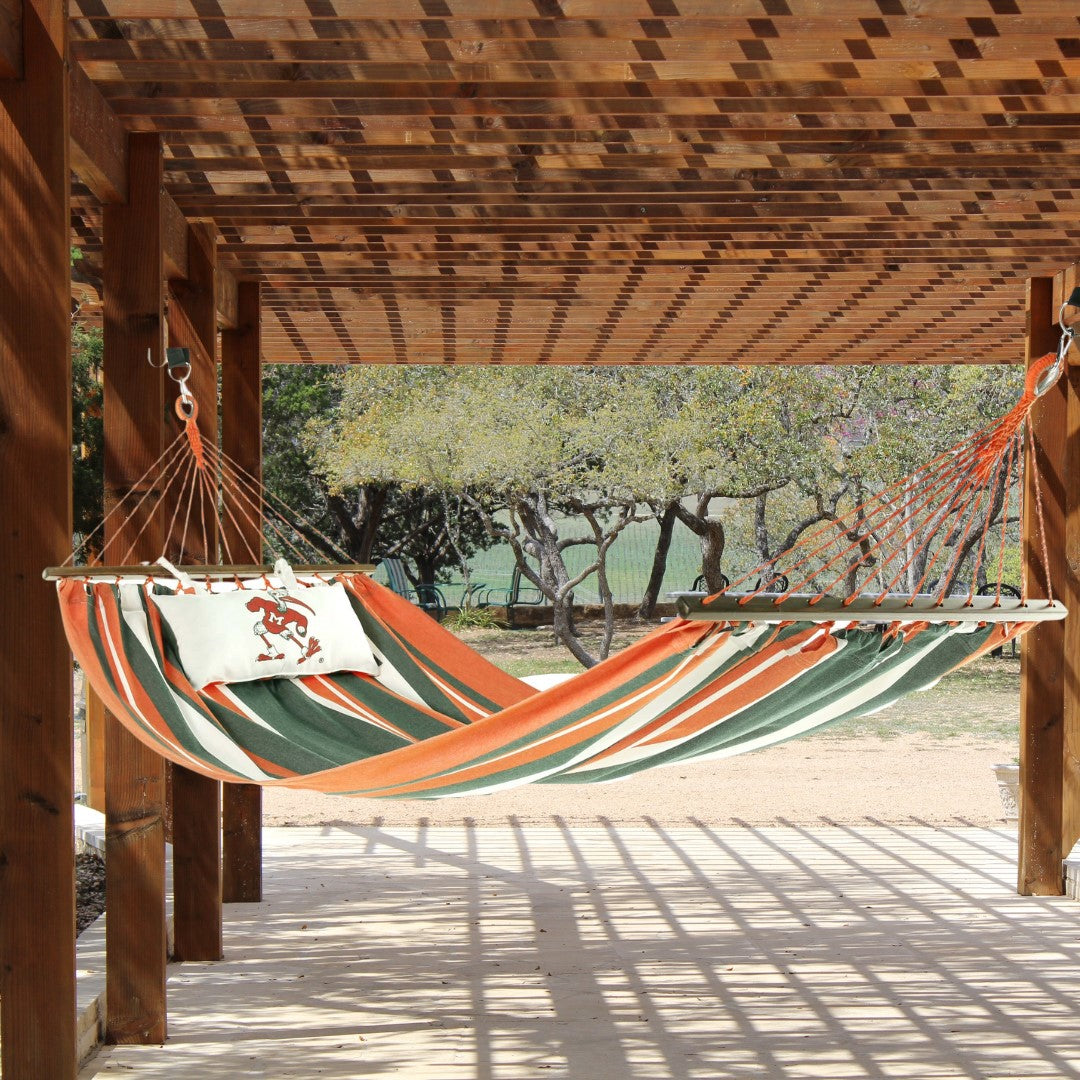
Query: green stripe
[[399, 653], [147, 669], [309, 736], [101, 650], [523, 773], [863, 658]]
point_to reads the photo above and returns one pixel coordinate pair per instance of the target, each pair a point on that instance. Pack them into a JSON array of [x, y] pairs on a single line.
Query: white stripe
[[847, 703], [640, 752], [216, 742], [393, 680], [676, 682], [348, 707]]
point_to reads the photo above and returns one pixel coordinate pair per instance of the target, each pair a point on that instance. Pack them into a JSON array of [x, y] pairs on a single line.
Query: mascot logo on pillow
[[280, 620]]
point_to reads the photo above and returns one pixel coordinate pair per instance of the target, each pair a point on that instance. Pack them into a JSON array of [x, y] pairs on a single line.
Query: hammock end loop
[[187, 408]]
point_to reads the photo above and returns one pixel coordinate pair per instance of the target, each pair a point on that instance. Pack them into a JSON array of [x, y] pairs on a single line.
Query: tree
[[720, 434], [525, 448], [783, 451], [368, 521], [886, 424], [774, 452]]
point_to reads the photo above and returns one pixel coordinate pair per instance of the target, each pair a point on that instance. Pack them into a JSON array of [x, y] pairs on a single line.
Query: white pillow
[[247, 634]]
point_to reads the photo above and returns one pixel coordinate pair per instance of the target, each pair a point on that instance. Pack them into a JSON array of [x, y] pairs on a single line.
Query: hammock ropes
[[308, 675]]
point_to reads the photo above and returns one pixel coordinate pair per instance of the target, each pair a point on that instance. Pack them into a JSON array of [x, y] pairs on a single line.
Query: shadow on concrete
[[630, 950]]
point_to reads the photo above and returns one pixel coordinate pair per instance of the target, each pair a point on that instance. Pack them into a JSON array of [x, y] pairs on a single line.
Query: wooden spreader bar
[[865, 609], [59, 573]]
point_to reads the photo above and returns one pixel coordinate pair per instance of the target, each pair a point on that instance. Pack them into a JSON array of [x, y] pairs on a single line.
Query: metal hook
[[150, 359], [179, 361], [1053, 373]]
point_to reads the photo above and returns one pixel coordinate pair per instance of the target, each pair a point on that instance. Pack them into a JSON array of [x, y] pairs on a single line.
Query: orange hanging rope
[[1012, 421], [948, 494], [188, 411]]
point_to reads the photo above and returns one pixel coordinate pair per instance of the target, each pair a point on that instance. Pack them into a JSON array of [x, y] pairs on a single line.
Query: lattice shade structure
[[611, 181]]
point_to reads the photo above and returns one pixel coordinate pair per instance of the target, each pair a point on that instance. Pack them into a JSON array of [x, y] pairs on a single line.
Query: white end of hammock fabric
[[247, 634]]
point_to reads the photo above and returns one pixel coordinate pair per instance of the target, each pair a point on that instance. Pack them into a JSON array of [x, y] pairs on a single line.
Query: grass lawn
[[980, 701]]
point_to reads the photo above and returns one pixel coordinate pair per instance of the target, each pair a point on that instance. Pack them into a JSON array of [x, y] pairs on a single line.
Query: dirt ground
[[928, 759], [907, 779]]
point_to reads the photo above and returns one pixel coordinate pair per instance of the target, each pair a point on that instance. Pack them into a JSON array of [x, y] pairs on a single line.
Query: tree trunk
[[564, 633], [359, 523], [761, 529], [426, 568], [712, 551], [555, 578], [603, 544], [647, 608]]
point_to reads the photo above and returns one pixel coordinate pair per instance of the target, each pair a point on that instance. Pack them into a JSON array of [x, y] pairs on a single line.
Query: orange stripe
[[425, 636], [410, 769]]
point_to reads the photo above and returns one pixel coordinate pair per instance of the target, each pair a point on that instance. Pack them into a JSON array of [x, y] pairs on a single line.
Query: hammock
[[738, 671]]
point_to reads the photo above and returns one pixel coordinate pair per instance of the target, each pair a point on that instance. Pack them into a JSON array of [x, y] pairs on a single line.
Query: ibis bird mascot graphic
[[281, 620]]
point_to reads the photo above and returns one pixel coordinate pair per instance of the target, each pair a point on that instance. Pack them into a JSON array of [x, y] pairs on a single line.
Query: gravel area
[[89, 889]]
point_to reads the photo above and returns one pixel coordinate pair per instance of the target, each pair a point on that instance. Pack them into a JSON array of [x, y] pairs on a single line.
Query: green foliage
[[809, 441], [368, 520], [292, 397], [471, 618], [88, 436]]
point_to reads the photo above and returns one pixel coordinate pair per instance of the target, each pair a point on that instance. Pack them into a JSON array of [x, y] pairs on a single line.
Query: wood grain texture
[[242, 843], [134, 418], [174, 238], [226, 299], [241, 440], [98, 140], [379, 165], [37, 936], [1039, 870], [196, 810], [11, 42], [196, 800]]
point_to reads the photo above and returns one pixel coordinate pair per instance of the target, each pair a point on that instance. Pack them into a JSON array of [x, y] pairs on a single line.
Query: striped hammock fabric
[[439, 720]]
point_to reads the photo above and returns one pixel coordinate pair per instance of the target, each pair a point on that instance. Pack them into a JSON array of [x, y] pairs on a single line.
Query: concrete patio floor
[[634, 950]]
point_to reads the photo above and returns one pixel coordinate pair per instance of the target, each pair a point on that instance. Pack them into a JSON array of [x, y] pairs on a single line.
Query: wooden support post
[[37, 882], [134, 406], [241, 440], [11, 43], [196, 799], [1070, 593], [196, 810], [98, 140], [94, 744], [1041, 679]]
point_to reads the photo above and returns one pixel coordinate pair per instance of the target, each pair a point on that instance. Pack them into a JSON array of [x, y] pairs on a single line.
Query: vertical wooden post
[[1070, 593], [1042, 652], [94, 743], [134, 407], [241, 439], [196, 799], [37, 884]]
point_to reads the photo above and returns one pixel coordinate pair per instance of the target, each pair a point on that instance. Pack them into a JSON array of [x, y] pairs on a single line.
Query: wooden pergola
[[457, 181]]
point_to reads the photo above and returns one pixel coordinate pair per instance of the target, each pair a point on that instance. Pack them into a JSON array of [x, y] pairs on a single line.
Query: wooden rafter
[[612, 180]]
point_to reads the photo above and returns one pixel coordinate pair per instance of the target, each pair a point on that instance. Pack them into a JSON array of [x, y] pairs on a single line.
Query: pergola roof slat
[[608, 180]]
